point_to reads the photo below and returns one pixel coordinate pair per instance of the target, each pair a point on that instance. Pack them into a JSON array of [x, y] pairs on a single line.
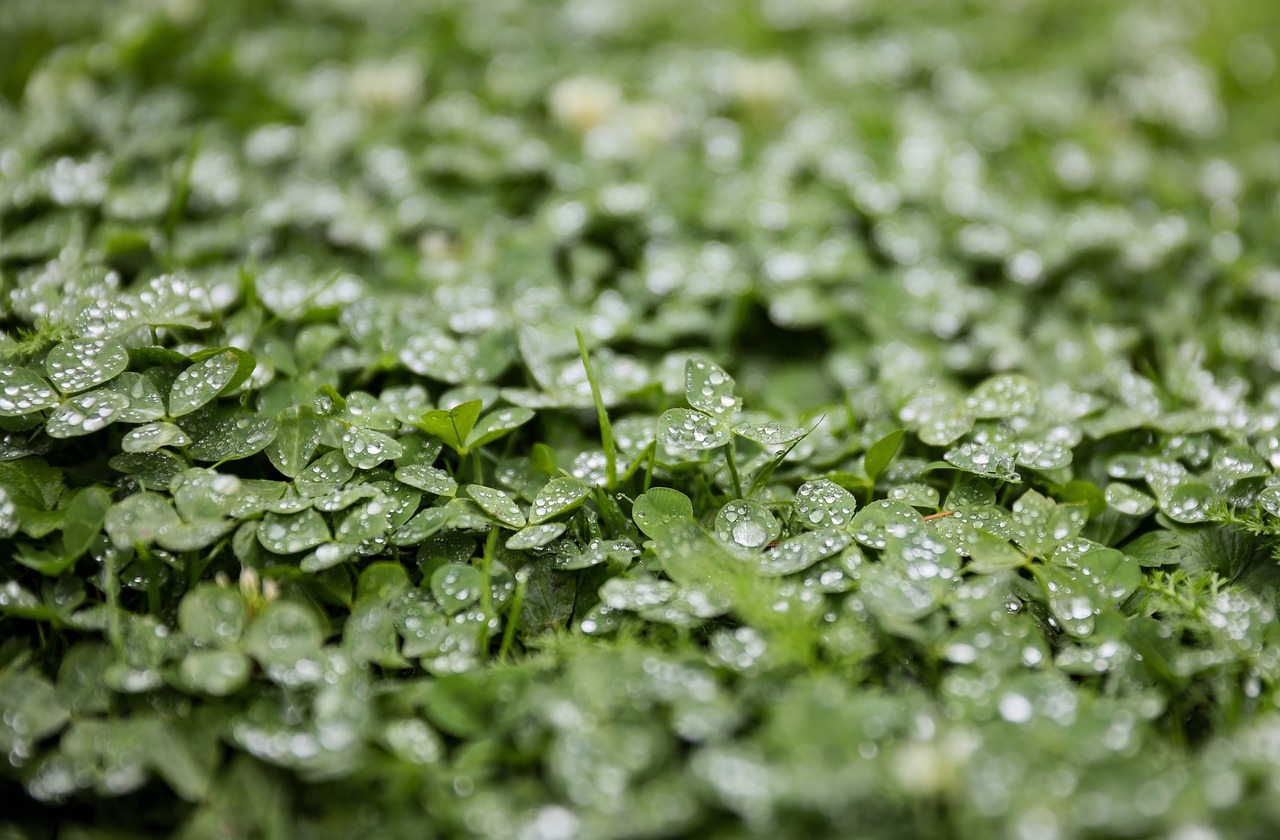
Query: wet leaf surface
[[659, 420]]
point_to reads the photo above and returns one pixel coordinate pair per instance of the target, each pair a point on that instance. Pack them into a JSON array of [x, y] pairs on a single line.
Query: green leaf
[[438, 355], [1043, 455], [994, 460], [83, 414], [152, 470], [228, 434], [383, 583], [459, 705], [298, 435], [365, 449], [497, 504], [246, 364], [556, 498], [290, 533], [156, 357], [1003, 395], [81, 364], [23, 392], [370, 635], [658, 509], [549, 598], [747, 524], [194, 536], [215, 672], [422, 526], [283, 634], [341, 498], [535, 536], [401, 500], [213, 615], [328, 471], [1083, 492], [881, 453], [1041, 524], [327, 556], [456, 587], [1237, 463], [991, 554], [140, 519], [430, 479], [619, 553], [1129, 500], [153, 436], [680, 428], [637, 593], [916, 494], [80, 685], [937, 417], [1187, 502], [710, 390], [454, 425], [875, 523], [897, 599], [497, 425], [1156, 548], [22, 602], [1077, 592], [823, 504], [769, 433], [367, 412], [83, 521], [145, 402], [363, 522], [413, 741], [328, 402], [203, 381], [32, 711], [799, 553]]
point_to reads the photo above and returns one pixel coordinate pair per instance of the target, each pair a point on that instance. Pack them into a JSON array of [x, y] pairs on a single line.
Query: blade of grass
[[645, 457], [602, 415], [757, 483]]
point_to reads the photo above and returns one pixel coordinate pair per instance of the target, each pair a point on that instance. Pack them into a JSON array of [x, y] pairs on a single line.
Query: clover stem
[[486, 591], [602, 415], [112, 585], [731, 457], [513, 616], [648, 470]]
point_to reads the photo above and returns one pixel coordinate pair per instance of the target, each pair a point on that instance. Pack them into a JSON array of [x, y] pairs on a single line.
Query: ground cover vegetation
[[604, 419]]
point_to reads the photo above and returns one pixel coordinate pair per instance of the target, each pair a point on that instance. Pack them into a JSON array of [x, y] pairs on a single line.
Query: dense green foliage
[[616, 419]]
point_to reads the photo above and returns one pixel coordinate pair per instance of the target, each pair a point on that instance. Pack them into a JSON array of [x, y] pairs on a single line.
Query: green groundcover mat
[[639, 419]]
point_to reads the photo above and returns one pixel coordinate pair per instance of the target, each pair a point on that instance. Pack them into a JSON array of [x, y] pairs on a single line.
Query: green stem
[[730, 453], [602, 415], [112, 584], [513, 617], [486, 591]]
